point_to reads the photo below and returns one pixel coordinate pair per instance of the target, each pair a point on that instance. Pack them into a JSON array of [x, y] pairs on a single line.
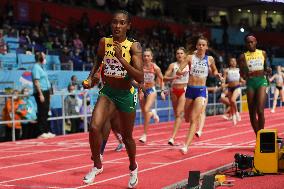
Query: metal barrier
[[86, 115]]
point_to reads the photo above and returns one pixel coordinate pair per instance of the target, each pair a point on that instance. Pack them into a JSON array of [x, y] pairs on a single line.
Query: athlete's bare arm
[[183, 64], [214, 69], [272, 78], [168, 73], [100, 55], [225, 75], [160, 76], [243, 67], [267, 69]]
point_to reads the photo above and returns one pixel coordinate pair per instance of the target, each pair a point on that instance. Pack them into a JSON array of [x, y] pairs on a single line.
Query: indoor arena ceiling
[[257, 4]]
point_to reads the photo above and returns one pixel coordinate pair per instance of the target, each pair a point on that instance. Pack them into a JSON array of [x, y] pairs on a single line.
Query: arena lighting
[[274, 12], [240, 10], [272, 1], [248, 10], [242, 30], [265, 12]]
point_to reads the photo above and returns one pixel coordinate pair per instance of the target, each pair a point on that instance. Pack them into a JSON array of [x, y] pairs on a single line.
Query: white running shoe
[[171, 141], [198, 134], [184, 149], [234, 119], [272, 111], [238, 116], [155, 115], [90, 177], [51, 135], [43, 135], [133, 181], [225, 117], [143, 138]]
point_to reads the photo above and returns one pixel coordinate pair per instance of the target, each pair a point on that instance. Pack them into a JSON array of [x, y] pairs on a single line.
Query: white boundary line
[[70, 169], [45, 151], [194, 145]]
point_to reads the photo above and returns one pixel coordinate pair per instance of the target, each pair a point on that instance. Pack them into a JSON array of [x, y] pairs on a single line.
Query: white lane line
[[159, 166], [141, 147], [71, 169]]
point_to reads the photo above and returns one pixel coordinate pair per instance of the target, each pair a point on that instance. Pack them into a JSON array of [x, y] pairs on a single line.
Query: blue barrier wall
[[59, 79]]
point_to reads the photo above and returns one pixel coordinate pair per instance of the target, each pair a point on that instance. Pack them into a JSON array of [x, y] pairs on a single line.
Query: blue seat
[[53, 61], [9, 61], [12, 43], [26, 61]]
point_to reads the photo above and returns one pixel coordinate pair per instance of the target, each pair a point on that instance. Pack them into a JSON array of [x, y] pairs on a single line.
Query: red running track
[[63, 161]]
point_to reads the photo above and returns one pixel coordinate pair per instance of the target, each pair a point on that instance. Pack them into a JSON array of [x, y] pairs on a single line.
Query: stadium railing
[[164, 109]]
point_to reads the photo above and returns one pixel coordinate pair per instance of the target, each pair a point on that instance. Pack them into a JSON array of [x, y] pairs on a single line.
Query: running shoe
[[234, 119], [155, 116], [272, 111], [198, 134], [143, 138], [43, 135], [184, 149], [90, 177], [238, 116], [119, 147], [51, 135], [133, 181], [226, 117], [171, 141]]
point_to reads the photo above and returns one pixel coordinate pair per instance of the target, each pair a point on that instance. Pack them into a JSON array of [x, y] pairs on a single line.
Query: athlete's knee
[[260, 112], [179, 115], [233, 101], [147, 109], [127, 139], [93, 127]]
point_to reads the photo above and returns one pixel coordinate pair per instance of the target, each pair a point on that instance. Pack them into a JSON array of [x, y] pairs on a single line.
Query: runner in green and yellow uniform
[[253, 69], [122, 58]]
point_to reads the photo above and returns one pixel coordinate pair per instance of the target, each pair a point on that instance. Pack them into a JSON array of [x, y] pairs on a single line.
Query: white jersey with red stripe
[[184, 78]]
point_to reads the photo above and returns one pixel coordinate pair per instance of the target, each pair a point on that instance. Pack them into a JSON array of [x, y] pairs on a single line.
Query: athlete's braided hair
[[129, 17], [249, 35]]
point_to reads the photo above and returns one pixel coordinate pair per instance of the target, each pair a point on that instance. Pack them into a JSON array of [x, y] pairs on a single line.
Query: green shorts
[[125, 100], [255, 82]]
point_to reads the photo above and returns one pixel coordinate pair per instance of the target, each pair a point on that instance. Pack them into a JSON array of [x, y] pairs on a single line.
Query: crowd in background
[[22, 106], [77, 44]]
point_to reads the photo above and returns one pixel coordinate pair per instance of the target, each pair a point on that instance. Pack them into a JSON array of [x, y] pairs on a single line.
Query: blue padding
[[52, 60], [9, 61], [11, 39], [26, 61]]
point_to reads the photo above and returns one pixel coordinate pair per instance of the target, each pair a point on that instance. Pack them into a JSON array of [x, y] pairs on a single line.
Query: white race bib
[[113, 68]]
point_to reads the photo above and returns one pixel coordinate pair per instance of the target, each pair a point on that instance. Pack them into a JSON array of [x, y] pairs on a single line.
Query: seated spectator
[[78, 44], [3, 46], [77, 60], [65, 58], [56, 44], [12, 110], [70, 103], [49, 44], [29, 128], [75, 82]]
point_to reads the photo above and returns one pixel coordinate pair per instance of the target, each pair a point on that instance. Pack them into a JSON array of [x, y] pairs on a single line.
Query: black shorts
[[279, 88]]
